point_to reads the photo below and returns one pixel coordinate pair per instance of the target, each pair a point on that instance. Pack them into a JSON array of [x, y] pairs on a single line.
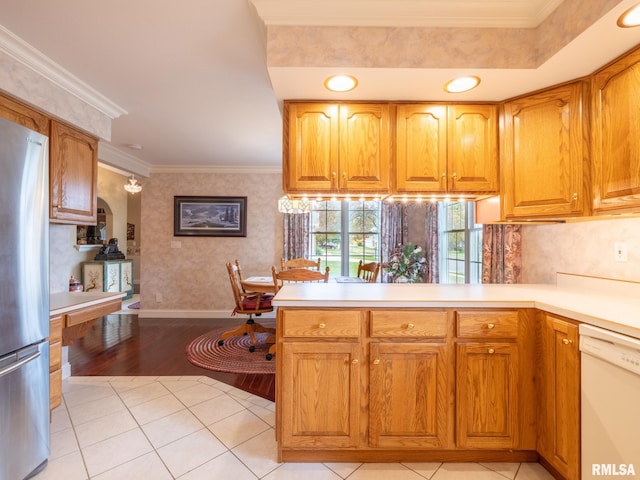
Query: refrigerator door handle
[[16, 365]]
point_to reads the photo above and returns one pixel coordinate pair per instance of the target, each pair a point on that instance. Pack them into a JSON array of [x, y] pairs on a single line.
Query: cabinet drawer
[[321, 323], [55, 329], [55, 356], [489, 324], [408, 324], [91, 313]]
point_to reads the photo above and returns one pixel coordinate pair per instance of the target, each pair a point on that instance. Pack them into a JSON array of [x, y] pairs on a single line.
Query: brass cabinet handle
[[410, 325], [322, 325], [344, 175], [444, 175], [566, 341], [334, 175], [376, 361], [59, 206], [491, 350], [575, 196], [491, 326], [355, 361], [454, 176]]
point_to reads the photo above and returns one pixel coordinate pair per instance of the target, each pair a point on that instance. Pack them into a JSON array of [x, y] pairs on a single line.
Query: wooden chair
[[247, 303], [300, 263], [369, 271], [298, 275]]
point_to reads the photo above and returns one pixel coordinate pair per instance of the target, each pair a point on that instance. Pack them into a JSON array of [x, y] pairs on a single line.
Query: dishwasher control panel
[[611, 347]]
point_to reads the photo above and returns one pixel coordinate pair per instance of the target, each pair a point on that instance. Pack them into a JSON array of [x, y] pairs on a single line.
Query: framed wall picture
[[210, 216]]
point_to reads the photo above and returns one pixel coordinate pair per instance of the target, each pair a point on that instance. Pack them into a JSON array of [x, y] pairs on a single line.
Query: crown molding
[[122, 162], [27, 55], [219, 169]]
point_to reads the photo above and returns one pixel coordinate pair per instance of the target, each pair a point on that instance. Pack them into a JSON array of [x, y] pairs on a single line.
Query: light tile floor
[[191, 428]]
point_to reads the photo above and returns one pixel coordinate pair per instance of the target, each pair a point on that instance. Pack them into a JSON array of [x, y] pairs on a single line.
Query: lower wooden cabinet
[[55, 361], [409, 387], [487, 395], [320, 384], [559, 393], [357, 383]]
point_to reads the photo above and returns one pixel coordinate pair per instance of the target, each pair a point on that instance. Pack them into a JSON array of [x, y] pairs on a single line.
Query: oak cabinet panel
[[409, 387], [23, 115], [55, 361], [544, 158], [73, 176], [616, 136], [320, 394], [336, 148], [559, 407], [446, 148], [486, 395]]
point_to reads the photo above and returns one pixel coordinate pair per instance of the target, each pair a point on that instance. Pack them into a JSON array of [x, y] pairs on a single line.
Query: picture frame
[[209, 216]]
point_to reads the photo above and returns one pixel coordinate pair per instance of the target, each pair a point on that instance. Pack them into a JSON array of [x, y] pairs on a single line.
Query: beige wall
[[192, 280], [584, 248]]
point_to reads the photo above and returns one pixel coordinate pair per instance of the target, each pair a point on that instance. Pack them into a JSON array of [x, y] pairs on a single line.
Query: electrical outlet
[[158, 297], [620, 252]]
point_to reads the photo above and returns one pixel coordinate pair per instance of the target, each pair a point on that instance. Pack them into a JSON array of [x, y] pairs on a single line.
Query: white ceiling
[[194, 80]]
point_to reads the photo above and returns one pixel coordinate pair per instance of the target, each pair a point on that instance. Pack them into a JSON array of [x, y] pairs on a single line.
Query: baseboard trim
[[149, 313]]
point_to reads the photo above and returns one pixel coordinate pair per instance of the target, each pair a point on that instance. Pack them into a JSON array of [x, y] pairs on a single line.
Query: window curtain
[[501, 253], [432, 274], [296, 235], [394, 230]]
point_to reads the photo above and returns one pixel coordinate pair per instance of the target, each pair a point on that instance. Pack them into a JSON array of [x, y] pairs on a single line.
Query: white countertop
[[63, 302], [610, 304]]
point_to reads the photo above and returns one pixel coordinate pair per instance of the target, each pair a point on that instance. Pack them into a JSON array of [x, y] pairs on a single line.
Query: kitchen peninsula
[[426, 372]]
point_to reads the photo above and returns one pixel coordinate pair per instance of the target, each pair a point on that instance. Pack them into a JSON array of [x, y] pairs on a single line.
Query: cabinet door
[[320, 391], [23, 115], [311, 147], [486, 395], [409, 388], [365, 157], [421, 148], [559, 407], [545, 169], [616, 135], [73, 176], [472, 157]]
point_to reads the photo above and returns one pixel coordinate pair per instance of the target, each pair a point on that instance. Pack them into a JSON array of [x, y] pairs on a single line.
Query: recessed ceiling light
[[630, 18], [341, 83], [462, 84]]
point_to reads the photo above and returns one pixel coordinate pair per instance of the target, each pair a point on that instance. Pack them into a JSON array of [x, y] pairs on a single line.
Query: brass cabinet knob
[[376, 361], [59, 206], [454, 176], [355, 361], [491, 350], [334, 175], [491, 326], [575, 196], [344, 175], [322, 325], [566, 341], [444, 175], [410, 325]]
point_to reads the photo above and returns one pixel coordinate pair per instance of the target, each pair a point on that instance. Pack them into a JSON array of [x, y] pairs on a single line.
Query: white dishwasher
[[610, 402]]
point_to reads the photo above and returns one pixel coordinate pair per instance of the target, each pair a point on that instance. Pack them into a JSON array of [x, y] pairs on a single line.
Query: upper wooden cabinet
[[73, 174], [23, 115], [544, 157], [336, 148], [446, 148], [616, 136]]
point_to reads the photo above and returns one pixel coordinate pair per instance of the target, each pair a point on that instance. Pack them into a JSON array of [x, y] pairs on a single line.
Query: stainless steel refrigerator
[[24, 301]]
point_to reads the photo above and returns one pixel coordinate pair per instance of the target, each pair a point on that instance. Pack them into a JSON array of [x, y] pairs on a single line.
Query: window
[[343, 233], [460, 243]]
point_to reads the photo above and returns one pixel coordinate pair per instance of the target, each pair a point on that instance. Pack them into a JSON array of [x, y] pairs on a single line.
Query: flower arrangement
[[406, 264]]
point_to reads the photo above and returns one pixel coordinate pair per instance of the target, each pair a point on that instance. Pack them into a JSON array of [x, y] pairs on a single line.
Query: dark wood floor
[[126, 345]]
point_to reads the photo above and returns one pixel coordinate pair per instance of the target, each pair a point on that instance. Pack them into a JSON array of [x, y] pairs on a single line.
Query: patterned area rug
[[234, 355]]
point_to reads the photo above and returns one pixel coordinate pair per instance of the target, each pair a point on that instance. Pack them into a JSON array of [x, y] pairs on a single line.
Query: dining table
[[259, 284]]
